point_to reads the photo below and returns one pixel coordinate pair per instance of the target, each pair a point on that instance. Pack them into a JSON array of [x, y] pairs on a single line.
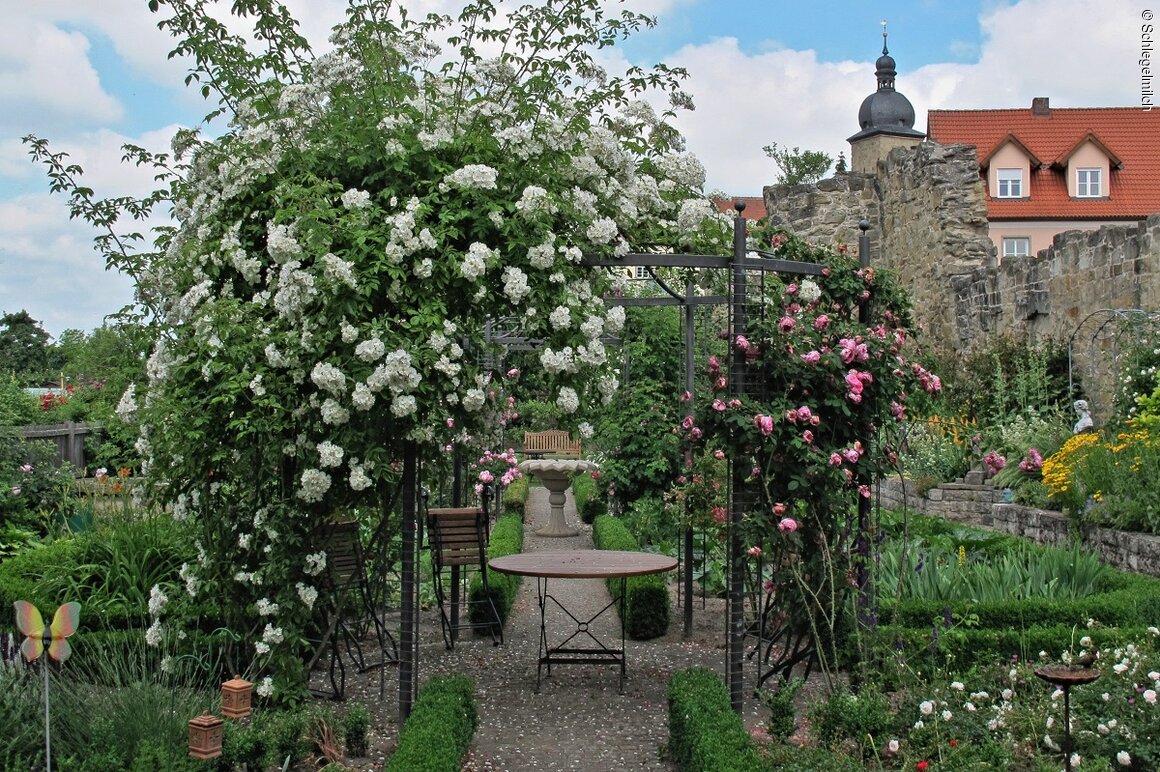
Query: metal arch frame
[[1114, 315], [741, 261]]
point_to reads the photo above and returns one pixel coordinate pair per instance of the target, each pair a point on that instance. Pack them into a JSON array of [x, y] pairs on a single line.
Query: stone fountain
[[556, 475]]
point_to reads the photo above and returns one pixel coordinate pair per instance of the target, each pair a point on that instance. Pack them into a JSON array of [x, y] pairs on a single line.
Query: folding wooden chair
[[351, 616], [458, 540]]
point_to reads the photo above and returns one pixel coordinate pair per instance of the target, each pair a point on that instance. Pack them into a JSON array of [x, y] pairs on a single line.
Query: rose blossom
[[811, 358], [764, 423], [787, 525]]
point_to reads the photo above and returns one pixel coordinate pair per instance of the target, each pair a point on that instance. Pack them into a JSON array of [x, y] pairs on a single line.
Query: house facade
[[1049, 170]]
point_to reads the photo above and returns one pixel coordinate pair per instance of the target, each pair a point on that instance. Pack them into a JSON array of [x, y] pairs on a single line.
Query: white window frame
[[1012, 244], [1009, 183], [640, 272], [1089, 182]]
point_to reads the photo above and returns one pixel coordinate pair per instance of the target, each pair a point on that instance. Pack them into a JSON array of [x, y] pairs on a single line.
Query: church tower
[[886, 118]]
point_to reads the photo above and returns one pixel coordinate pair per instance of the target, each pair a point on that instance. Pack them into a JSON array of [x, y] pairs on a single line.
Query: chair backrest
[[344, 558], [458, 536]]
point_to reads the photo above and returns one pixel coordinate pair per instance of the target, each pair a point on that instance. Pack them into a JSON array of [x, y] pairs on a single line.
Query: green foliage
[[515, 496], [507, 538], [439, 729], [35, 488], [635, 433], [705, 735], [111, 569], [23, 347], [648, 610], [862, 720], [648, 520], [799, 166], [585, 495], [915, 571], [780, 702], [355, 726], [17, 407]]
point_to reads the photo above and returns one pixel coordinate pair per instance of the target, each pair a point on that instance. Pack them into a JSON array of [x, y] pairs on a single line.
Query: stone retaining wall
[[976, 503]]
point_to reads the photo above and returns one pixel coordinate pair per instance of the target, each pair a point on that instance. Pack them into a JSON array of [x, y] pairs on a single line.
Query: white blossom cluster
[[473, 176]]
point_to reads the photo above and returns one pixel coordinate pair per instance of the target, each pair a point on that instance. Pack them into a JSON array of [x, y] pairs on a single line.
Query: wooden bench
[[552, 442]]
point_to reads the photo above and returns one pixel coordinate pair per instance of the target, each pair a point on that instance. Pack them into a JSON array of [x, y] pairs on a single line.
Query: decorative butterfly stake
[[51, 638]]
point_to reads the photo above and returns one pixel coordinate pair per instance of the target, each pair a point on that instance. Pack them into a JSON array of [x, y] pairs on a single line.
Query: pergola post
[[736, 609], [408, 633]]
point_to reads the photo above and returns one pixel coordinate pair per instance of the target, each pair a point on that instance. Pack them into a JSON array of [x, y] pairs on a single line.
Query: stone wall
[[975, 503], [928, 216]]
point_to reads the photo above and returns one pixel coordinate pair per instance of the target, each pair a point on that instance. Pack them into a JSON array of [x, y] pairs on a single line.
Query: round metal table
[[581, 564]]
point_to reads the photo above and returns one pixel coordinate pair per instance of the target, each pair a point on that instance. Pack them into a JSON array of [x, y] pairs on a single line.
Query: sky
[[92, 76]]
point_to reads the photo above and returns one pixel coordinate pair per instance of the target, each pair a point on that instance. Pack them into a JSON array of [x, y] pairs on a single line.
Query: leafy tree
[[799, 166], [23, 345]]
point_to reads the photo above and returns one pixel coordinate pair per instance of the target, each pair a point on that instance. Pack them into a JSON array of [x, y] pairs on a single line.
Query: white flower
[[371, 350], [328, 378], [560, 317], [919, 724], [614, 320], [585, 430], [334, 413], [359, 481], [1007, 694], [1050, 743], [1055, 695], [1075, 760], [957, 685], [127, 407], [946, 714], [1086, 641], [157, 601], [272, 634], [892, 746], [356, 199], [186, 573], [926, 707], [809, 291], [1124, 759], [568, 401], [970, 707], [261, 648], [266, 607], [475, 261], [329, 454], [602, 230], [307, 594], [1050, 722], [1150, 696], [473, 176], [404, 405], [155, 633], [314, 485], [315, 563], [1119, 667], [515, 284], [265, 687], [167, 664], [474, 399], [244, 540]]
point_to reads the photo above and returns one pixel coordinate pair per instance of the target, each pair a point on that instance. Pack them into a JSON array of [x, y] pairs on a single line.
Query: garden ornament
[[40, 638], [1085, 417]]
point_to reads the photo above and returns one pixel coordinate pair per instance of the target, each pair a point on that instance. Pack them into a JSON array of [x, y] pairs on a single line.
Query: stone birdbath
[[556, 475]]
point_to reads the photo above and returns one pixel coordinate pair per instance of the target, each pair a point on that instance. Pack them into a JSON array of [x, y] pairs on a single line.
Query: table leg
[[623, 616], [544, 654]]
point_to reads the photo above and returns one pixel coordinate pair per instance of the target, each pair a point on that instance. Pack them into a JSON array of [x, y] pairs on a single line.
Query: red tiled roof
[[1130, 134], [754, 206]]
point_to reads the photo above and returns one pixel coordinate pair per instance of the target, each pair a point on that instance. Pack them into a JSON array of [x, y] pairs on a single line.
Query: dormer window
[[1088, 183], [1010, 183]]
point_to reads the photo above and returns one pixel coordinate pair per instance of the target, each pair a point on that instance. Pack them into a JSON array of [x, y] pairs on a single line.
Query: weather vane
[[883, 23]]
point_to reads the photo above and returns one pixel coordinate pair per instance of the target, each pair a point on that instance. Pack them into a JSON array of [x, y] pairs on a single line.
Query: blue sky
[[92, 75]]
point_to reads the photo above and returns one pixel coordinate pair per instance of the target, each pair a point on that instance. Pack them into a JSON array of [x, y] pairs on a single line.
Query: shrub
[[647, 603], [439, 729], [845, 718], [705, 735], [507, 538], [584, 492], [515, 497], [355, 725]]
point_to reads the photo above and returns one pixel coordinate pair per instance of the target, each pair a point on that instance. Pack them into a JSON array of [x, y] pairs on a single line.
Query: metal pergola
[[740, 263]]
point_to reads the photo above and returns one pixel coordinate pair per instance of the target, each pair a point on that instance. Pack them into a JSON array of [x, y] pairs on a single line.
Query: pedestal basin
[[556, 475]]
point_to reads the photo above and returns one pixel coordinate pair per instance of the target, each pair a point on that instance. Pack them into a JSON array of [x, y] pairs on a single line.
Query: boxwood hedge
[[647, 615], [439, 729], [705, 735]]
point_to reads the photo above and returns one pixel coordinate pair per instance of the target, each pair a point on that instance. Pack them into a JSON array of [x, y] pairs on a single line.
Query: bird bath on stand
[[556, 475]]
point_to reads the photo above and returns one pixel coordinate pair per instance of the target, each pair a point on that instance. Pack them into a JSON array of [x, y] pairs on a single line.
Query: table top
[[583, 564]]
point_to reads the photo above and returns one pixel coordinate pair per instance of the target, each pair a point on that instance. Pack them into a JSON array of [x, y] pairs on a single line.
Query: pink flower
[[864, 491], [686, 396], [754, 552], [696, 433], [779, 509], [742, 342], [852, 455], [791, 288], [787, 525], [854, 381], [688, 422], [450, 423], [768, 586], [513, 373], [811, 358], [821, 323], [720, 383], [719, 514], [26, 467], [804, 414], [755, 472], [719, 454], [786, 324], [719, 405], [486, 477], [764, 423], [808, 436], [898, 411], [714, 364], [835, 459]]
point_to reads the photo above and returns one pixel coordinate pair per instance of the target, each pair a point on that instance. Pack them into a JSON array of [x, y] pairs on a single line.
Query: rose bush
[[821, 384], [321, 301]]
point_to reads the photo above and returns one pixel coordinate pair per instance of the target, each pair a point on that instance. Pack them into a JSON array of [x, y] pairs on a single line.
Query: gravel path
[[579, 720]]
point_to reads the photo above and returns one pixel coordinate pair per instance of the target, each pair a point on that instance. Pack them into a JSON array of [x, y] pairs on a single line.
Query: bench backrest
[[551, 441]]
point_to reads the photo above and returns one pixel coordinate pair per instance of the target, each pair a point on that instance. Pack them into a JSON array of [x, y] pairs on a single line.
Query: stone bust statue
[[1084, 424]]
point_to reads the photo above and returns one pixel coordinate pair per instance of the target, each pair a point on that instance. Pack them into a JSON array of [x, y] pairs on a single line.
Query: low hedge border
[[507, 538], [439, 729], [705, 735], [515, 496], [647, 615]]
